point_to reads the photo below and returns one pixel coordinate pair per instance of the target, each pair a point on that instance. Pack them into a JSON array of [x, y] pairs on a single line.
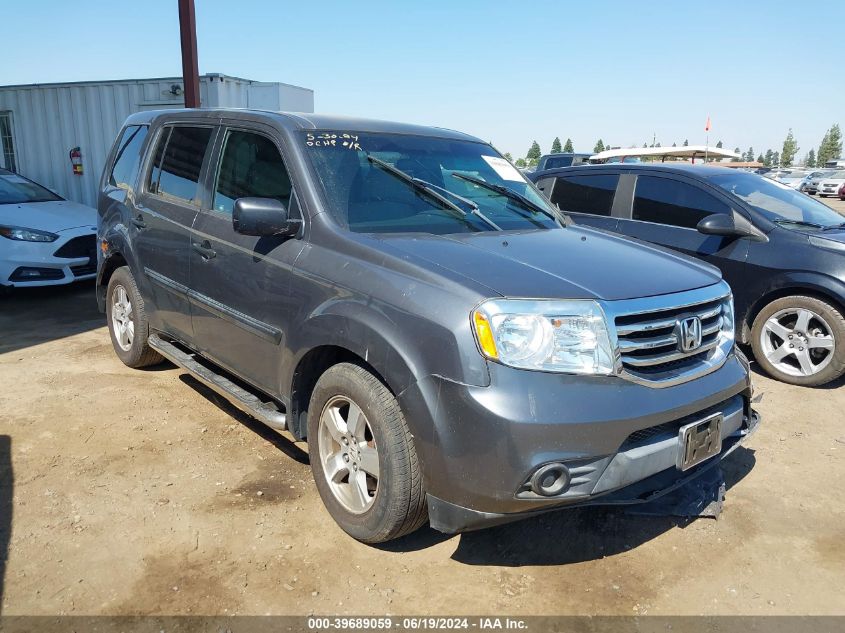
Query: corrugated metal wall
[[49, 120]]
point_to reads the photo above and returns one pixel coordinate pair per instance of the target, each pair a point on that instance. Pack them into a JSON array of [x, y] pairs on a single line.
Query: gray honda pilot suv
[[404, 300]]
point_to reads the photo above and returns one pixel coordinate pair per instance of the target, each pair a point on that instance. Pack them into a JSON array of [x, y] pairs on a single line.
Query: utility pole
[[190, 67]]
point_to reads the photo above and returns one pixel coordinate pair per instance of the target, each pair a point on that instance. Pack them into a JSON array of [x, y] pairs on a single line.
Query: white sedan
[[45, 240], [830, 184]]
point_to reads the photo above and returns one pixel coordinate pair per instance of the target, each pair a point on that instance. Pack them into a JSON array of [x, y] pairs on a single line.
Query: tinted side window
[[667, 201], [177, 165], [251, 167], [585, 194], [128, 157], [563, 161]]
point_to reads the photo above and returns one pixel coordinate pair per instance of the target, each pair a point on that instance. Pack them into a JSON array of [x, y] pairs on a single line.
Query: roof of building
[[686, 151], [208, 76]]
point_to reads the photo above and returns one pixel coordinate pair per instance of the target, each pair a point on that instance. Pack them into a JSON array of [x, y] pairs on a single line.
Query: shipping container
[[40, 124]]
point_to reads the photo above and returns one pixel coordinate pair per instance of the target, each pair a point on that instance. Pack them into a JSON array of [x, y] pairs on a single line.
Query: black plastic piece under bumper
[[452, 519]]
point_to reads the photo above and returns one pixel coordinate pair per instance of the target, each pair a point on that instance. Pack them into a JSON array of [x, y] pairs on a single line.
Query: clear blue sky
[[509, 72]]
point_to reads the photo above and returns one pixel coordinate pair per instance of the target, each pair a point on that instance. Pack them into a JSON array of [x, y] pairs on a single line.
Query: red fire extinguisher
[[76, 161]]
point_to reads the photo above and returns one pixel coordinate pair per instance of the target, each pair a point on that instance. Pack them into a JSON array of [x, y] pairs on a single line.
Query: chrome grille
[[648, 341]]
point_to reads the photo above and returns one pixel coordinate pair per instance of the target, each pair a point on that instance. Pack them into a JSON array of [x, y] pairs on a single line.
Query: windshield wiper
[[799, 223], [507, 193], [831, 227], [431, 191], [474, 208]]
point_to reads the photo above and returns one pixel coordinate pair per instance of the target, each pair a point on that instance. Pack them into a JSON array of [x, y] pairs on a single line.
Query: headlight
[[556, 336], [27, 235]]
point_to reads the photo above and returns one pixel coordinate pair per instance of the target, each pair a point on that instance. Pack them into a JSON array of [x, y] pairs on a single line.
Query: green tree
[[719, 144], [790, 149], [534, 153], [830, 147], [749, 155], [567, 147], [811, 158], [776, 159], [767, 160], [520, 162], [686, 143], [674, 144], [836, 141], [508, 156], [822, 154], [736, 160], [556, 146], [599, 147]]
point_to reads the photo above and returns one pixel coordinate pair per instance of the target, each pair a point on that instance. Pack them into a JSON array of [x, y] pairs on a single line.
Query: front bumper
[[479, 446], [26, 264], [451, 519]]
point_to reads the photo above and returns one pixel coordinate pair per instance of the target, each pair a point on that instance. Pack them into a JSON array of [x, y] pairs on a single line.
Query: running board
[[247, 402]]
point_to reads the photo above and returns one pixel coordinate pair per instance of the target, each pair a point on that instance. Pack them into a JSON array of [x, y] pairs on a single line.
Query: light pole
[[190, 66]]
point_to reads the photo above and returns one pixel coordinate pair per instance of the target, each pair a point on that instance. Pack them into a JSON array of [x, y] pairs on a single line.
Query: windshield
[[777, 202], [366, 196], [16, 189], [837, 175]]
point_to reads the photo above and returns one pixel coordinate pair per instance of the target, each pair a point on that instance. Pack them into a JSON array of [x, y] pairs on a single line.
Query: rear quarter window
[[588, 193], [124, 172]]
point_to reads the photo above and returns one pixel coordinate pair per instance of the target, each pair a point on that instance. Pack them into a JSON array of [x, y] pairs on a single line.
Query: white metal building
[[41, 123]]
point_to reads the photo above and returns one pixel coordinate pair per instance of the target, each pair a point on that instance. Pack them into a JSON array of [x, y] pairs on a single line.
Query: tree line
[[829, 149]]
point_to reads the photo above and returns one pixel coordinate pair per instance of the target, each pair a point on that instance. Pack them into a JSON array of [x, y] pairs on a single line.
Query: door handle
[[204, 249], [139, 221]]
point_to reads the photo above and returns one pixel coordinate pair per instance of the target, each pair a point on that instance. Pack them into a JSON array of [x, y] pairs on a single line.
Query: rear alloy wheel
[[800, 340], [127, 321]]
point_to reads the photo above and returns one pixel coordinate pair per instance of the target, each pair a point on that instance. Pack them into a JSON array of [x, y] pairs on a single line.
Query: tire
[[133, 349], [371, 510], [817, 345]]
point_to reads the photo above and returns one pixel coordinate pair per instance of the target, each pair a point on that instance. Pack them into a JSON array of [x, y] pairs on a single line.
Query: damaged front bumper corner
[[451, 519]]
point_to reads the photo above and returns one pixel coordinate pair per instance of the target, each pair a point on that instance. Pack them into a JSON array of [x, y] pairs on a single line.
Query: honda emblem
[[689, 334]]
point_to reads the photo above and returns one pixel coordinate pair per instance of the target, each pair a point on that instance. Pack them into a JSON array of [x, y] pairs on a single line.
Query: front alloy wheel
[[349, 454], [800, 340], [363, 456]]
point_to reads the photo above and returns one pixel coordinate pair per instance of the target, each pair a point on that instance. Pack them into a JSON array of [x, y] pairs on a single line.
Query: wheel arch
[[307, 372], [822, 289]]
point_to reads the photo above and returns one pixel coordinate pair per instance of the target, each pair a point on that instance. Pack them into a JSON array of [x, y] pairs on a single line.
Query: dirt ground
[[140, 492]]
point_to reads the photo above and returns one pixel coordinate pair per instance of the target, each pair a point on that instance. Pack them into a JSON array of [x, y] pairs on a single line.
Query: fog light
[[26, 273], [550, 480]]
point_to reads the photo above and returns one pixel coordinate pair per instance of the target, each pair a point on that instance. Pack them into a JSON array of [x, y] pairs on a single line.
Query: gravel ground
[[140, 492]]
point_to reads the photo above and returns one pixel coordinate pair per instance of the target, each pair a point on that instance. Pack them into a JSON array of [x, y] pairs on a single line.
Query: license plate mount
[[699, 440]]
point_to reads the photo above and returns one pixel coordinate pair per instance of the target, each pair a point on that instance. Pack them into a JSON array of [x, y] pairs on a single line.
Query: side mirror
[[729, 225], [263, 216]]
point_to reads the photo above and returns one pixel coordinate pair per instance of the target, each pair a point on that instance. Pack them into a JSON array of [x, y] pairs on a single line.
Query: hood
[[832, 181], [53, 216], [573, 263]]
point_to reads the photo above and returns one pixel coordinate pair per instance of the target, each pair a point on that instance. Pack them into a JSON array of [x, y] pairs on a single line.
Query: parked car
[[812, 187], [807, 182], [562, 159], [44, 239], [790, 177], [780, 251], [402, 298], [829, 185]]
